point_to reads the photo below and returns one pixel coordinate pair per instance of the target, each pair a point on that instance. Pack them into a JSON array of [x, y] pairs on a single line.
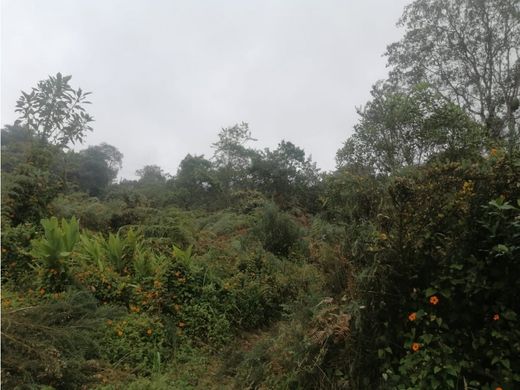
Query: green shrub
[[93, 214], [52, 252], [135, 342], [53, 343], [277, 231], [16, 259], [437, 281]]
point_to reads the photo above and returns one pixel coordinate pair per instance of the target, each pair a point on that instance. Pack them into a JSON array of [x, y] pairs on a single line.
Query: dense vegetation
[[253, 269]]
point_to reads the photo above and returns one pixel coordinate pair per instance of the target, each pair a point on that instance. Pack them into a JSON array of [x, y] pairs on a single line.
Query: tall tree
[[96, 167], [468, 50], [285, 174], [401, 128], [55, 112], [196, 185], [232, 157], [151, 174]]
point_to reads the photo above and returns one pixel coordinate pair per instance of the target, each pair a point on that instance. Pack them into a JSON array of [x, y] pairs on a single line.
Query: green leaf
[[430, 291]]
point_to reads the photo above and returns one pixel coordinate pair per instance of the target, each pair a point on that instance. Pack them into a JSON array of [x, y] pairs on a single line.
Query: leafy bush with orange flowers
[[438, 285]]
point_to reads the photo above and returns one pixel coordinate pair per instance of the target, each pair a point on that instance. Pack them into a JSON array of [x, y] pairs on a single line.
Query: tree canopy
[[55, 112], [468, 51]]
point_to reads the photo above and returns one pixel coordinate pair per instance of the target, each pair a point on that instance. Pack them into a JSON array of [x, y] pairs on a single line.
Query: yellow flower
[[493, 152], [119, 332], [149, 332], [467, 187]]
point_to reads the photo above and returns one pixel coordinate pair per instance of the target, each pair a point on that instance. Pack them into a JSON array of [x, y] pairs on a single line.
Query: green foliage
[[94, 214], [27, 193], [405, 128], [16, 259], [53, 343], [54, 111], [53, 251], [440, 311], [277, 231], [286, 175], [196, 184], [94, 168], [134, 342], [398, 270], [444, 45], [232, 158]]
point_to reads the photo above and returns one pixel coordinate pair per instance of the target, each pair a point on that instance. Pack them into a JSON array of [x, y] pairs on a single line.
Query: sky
[[167, 75]]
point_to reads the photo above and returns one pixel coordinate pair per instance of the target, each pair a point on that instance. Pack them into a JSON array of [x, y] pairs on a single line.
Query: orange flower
[[434, 300], [149, 332], [109, 322], [119, 332], [42, 291], [496, 317], [412, 316], [499, 388], [493, 153], [416, 347], [181, 324]]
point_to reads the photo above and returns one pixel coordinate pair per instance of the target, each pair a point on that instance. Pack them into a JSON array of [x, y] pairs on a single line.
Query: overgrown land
[[252, 269]]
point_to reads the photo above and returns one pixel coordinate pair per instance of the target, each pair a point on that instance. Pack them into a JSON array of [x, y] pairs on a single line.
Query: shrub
[[135, 342], [53, 343], [16, 259], [276, 230], [437, 281], [52, 252]]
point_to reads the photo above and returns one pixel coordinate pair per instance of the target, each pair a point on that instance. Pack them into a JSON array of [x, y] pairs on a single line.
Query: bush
[[136, 341], [437, 281], [53, 251], [53, 343], [276, 230], [16, 259]]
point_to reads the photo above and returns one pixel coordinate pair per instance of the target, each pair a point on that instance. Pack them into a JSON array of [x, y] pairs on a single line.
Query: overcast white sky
[[166, 75]]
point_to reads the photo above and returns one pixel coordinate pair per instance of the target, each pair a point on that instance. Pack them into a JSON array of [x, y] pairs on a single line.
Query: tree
[[402, 128], [151, 174], [285, 174], [232, 158], [196, 184], [468, 50], [55, 112], [96, 167]]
